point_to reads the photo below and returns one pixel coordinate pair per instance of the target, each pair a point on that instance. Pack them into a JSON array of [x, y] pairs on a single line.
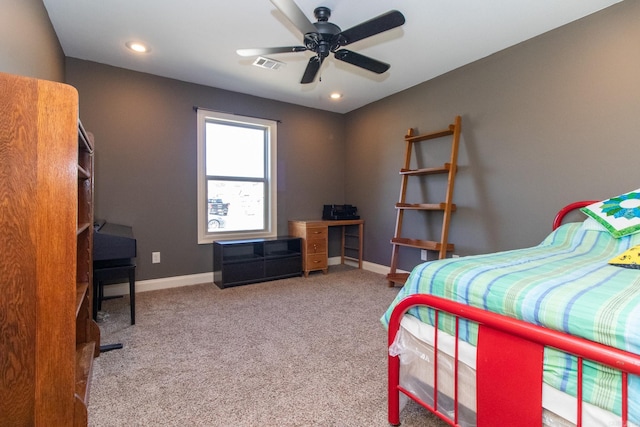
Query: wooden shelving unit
[[49, 339], [87, 331], [441, 245]]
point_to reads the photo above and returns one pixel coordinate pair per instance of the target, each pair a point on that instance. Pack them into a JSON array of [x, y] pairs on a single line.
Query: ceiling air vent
[[271, 64]]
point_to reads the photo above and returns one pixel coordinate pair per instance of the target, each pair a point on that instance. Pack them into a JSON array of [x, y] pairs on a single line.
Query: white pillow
[[592, 225]]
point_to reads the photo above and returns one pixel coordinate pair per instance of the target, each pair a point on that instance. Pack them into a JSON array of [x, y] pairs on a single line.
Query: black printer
[[337, 212]]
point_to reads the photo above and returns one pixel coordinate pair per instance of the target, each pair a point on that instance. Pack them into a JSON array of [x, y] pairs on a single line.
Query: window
[[236, 177]]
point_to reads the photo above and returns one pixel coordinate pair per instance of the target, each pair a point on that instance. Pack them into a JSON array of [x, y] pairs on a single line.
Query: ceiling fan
[[324, 37]]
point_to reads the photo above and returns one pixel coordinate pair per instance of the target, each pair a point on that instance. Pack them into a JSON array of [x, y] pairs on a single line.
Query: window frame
[[271, 205]]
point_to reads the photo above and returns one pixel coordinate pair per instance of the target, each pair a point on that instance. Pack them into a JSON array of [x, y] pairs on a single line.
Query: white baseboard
[[379, 268], [157, 284], [196, 279], [369, 266]]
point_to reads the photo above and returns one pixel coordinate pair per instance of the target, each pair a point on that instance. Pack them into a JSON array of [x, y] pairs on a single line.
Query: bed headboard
[[571, 207]]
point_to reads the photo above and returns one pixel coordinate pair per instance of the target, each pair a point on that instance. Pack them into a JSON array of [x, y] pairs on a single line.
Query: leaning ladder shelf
[[442, 246]]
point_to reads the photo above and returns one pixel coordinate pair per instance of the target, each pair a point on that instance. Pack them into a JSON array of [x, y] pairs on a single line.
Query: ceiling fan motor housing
[[323, 41], [322, 13]]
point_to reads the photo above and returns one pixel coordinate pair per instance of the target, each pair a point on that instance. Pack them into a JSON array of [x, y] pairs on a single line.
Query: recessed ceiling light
[[138, 47], [335, 95]]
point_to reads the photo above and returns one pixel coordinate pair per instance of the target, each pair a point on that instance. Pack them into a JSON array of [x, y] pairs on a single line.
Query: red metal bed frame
[[505, 345]]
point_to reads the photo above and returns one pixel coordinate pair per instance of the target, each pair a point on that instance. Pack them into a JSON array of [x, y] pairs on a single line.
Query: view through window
[[236, 177]]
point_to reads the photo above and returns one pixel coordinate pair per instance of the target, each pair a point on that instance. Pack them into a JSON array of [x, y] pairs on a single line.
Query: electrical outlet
[[423, 254], [155, 257]]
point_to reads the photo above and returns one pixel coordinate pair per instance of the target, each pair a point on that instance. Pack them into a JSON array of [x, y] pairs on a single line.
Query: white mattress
[[414, 345]]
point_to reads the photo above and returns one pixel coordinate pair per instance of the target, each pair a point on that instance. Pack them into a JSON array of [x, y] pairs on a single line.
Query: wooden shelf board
[[84, 141], [431, 135], [422, 244], [81, 291], [83, 173], [82, 226], [400, 278], [425, 206], [426, 171], [84, 365]]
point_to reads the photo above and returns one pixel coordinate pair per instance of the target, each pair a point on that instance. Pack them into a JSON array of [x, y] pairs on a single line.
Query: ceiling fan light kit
[[324, 37]]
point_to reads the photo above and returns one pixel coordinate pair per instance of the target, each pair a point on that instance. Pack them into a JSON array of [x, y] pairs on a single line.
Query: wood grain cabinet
[[315, 242], [315, 238], [48, 337]]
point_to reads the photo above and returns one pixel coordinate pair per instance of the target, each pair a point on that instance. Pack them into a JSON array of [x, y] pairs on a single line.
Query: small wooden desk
[[314, 234]]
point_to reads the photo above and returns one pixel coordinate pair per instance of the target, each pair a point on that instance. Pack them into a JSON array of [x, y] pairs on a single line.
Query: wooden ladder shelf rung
[[397, 277], [425, 206], [421, 244], [427, 171], [432, 135], [442, 246]]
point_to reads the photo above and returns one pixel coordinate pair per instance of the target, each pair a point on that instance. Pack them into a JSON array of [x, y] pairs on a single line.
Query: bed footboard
[[500, 338]]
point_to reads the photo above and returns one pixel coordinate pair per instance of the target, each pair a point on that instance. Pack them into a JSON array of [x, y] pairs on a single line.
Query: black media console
[[239, 262]]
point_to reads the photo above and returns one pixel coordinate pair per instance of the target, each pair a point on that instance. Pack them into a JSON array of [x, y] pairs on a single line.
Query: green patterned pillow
[[620, 215]]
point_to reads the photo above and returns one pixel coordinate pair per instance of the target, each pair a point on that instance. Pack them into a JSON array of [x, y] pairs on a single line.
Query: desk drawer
[[316, 246], [316, 262], [317, 233]]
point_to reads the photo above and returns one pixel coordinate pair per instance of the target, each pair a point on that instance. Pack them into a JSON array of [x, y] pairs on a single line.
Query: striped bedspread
[[564, 284]]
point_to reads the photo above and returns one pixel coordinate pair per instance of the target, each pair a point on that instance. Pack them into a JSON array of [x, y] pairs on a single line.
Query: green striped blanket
[[564, 284]]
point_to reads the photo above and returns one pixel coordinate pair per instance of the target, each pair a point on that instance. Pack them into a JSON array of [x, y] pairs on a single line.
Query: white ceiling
[[196, 41]]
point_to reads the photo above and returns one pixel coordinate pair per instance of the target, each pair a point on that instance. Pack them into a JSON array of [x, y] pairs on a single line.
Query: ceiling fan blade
[[312, 69], [293, 13], [362, 61], [270, 50], [377, 25]]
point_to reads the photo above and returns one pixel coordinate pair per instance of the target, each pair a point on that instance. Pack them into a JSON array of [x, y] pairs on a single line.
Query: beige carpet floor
[[294, 352]]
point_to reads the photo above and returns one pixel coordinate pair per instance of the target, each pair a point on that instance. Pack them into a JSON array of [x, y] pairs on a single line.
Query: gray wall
[[544, 123], [145, 138], [29, 45]]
